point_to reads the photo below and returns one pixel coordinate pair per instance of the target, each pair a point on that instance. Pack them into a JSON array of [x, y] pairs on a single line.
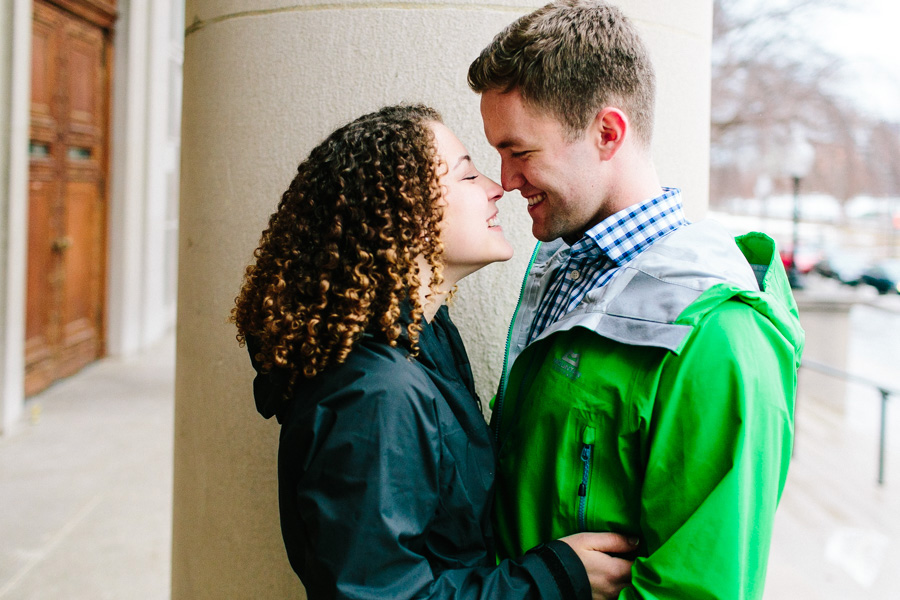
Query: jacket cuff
[[566, 569]]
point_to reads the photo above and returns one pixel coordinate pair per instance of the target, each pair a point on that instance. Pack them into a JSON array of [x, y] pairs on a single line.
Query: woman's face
[[470, 229]]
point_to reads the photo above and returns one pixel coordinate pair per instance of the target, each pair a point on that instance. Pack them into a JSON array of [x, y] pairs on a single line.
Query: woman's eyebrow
[[461, 160]]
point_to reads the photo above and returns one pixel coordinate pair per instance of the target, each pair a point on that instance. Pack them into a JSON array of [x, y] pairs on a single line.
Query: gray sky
[[867, 35]]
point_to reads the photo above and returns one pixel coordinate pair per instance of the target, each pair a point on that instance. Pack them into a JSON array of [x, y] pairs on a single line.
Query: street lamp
[[798, 162]]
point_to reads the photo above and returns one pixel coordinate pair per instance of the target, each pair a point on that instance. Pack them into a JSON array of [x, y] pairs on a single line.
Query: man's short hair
[[572, 58]]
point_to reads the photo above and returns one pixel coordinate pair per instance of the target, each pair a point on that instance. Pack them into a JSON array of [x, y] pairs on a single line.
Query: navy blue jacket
[[386, 471]]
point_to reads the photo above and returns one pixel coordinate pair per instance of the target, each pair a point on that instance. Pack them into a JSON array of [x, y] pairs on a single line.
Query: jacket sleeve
[[367, 492], [718, 449]]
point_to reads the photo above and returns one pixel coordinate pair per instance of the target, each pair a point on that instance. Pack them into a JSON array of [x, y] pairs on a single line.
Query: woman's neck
[[431, 303], [431, 300]]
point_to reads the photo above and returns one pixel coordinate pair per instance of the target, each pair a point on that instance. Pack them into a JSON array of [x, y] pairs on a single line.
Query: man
[[651, 370]]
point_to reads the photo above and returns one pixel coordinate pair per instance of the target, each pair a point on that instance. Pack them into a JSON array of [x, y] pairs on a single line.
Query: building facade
[[187, 187], [89, 170]]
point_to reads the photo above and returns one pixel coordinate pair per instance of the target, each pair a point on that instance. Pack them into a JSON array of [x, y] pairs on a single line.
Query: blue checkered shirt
[[596, 258]]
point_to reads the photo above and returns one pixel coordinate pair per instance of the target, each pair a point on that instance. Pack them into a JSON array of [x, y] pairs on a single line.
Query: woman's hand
[[602, 554]]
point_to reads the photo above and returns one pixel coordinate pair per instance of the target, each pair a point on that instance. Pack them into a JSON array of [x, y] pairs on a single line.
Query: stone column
[[15, 106], [264, 81], [826, 322]]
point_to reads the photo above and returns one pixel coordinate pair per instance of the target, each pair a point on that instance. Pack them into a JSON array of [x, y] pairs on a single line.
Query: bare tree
[[885, 157], [769, 78]]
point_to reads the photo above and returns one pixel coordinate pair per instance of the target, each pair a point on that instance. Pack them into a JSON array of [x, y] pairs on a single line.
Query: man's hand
[[601, 554]]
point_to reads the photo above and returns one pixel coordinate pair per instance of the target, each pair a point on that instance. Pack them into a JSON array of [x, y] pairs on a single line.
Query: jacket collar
[[641, 304]]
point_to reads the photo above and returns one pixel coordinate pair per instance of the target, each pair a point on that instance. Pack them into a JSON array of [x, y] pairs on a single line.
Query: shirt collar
[[625, 234]]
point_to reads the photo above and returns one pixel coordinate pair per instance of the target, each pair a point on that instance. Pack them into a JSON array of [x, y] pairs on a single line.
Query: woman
[[385, 464]]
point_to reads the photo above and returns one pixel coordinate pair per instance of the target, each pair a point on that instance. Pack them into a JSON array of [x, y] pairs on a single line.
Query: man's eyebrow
[[461, 160], [506, 144]]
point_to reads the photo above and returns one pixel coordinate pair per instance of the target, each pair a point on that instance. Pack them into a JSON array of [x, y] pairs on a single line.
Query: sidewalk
[[86, 485], [86, 492], [837, 532]]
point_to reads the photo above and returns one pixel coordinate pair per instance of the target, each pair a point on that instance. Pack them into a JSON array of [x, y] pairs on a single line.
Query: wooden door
[[67, 195]]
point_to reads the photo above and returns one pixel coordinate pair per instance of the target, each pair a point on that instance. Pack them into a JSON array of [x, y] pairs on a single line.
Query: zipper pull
[[582, 490]]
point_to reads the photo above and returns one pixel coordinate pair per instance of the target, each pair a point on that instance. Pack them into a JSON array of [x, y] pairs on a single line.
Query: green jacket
[[661, 407]]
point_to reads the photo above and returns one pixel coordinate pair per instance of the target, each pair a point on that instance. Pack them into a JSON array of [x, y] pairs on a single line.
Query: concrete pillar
[[143, 188], [128, 145], [826, 321], [15, 95], [263, 83]]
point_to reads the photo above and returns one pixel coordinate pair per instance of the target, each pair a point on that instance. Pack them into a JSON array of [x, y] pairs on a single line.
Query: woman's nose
[[494, 191]]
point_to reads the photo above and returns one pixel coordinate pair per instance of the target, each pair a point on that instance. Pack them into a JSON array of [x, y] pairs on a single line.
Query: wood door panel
[[84, 69], [41, 323], [45, 42], [43, 52], [82, 349], [82, 160], [81, 258], [41, 267]]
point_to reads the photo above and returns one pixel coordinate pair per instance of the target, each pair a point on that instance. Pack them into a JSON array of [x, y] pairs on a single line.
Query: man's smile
[[536, 199]]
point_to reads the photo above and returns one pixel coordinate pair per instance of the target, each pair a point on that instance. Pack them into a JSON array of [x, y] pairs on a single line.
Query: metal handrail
[[884, 390]]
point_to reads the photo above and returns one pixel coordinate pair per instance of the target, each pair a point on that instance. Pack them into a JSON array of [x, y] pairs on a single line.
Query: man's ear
[[610, 127]]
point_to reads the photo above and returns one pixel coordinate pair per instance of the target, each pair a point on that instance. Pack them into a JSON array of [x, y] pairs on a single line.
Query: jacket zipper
[[498, 403], [587, 453]]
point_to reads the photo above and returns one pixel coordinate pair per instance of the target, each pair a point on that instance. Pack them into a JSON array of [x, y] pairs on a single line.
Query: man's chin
[[543, 234]]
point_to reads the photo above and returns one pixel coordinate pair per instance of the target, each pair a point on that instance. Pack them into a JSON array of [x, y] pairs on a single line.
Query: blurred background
[[804, 144], [805, 130]]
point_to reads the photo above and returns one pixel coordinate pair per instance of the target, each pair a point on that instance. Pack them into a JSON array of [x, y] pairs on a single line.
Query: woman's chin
[[505, 254]]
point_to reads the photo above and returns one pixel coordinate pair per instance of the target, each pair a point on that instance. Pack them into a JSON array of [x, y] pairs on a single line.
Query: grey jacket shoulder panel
[[641, 302]]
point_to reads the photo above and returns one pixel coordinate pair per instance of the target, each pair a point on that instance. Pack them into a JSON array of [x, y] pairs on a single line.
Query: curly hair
[[339, 256]]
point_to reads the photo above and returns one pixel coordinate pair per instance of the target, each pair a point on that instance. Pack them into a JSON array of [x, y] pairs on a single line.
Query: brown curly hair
[[339, 255]]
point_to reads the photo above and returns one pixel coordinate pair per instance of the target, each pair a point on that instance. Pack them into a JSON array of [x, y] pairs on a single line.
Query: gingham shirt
[[596, 258]]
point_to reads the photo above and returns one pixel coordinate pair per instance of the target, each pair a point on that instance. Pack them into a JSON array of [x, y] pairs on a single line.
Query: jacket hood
[[270, 388], [774, 300]]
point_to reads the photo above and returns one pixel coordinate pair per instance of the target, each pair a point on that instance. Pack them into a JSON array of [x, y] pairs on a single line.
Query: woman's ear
[[610, 127]]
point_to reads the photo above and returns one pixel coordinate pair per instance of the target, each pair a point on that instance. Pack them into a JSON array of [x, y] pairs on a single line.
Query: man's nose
[[510, 177]]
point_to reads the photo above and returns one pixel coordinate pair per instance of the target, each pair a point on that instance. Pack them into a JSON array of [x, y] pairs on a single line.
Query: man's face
[[560, 179]]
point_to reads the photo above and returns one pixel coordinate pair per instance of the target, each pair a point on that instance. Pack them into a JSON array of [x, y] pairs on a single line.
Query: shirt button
[[574, 275]]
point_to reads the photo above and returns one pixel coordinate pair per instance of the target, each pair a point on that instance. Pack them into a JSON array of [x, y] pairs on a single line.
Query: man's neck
[[637, 177], [634, 185]]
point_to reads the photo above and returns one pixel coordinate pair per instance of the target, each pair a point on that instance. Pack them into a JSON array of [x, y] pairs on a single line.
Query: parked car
[[884, 276], [842, 266], [807, 257]]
